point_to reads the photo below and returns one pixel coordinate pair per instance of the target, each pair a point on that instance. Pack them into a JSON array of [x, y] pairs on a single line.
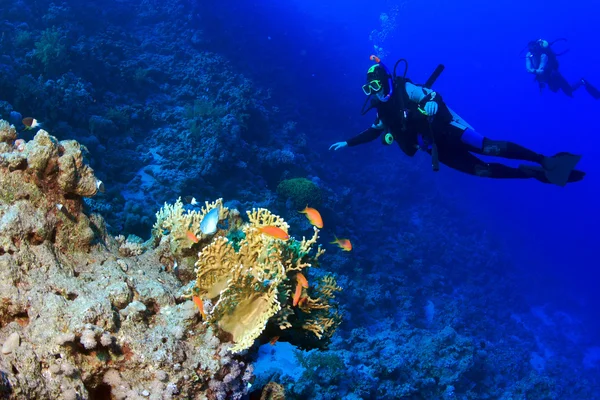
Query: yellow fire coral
[[250, 277], [174, 221], [321, 324], [246, 281]]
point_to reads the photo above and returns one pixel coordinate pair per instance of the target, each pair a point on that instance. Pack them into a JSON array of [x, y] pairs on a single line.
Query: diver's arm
[[428, 100], [543, 62], [416, 93], [529, 64], [367, 135]]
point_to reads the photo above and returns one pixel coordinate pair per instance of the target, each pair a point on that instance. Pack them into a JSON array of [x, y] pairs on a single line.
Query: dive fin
[[595, 93], [537, 172], [558, 168], [532, 171]]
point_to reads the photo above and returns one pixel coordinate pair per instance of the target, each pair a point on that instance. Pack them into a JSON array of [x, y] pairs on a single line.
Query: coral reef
[[170, 104], [84, 314], [169, 121], [40, 189], [247, 280]]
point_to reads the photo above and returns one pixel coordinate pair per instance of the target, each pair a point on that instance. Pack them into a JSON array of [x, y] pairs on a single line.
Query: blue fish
[[208, 226]]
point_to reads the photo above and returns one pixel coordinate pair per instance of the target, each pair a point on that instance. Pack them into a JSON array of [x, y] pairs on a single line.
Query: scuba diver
[[417, 118], [542, 61]]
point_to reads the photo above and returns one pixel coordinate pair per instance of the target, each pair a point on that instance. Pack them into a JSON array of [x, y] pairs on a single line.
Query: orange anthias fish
[[190, 235], [313, 216], [343, 244], [273, 340], [297, 294], [198, 302], [301, 279], [275, 232]]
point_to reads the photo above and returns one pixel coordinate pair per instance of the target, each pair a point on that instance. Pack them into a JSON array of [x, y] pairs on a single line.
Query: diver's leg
[[464, 161], [557, 82], [565, 86], [557, 168], [577, 85], [461, 160], [480, 144], [595, 93]]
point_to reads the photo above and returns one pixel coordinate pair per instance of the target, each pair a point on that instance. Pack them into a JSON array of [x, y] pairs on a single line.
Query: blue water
[[442, 262]]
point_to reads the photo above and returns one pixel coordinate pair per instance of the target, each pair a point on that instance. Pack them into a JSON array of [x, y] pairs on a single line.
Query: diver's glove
[[431, 108], [338, 145]]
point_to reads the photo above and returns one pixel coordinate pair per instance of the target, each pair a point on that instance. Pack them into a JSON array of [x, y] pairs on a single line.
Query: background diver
[[542, 61], [417, 118]]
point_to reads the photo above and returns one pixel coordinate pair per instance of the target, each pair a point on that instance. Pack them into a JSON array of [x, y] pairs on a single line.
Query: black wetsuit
[[401, 117], [545, 59], [550, 76]]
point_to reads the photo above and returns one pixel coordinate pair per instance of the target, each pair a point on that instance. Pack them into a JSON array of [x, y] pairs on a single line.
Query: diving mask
[[373, 86]]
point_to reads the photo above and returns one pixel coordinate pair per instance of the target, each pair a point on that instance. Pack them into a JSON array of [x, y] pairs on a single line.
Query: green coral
[[319, 366], [301, 192], [22, 39], [51, 49]]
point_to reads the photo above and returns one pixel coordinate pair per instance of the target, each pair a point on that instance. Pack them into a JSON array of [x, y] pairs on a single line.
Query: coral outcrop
[[301, 192], [85, 315], [250, 284]]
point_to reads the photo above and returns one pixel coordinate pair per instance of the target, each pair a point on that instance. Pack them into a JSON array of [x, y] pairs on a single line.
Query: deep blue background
[[317, 54]]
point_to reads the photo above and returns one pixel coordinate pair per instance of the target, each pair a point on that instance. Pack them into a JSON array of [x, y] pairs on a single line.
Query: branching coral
[[247, 280], [250, 277], [214, 266], [175, 222], [319, 312]]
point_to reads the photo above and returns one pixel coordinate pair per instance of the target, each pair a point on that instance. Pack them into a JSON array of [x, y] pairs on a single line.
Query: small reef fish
[[297, 294], [30, 123], [301, 282], [100, 186], [273, 340], [190, 200], [274, 232], [198, 302], [301, 279], [190, 235], [313, 216], [343, 244], [208, 226]]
